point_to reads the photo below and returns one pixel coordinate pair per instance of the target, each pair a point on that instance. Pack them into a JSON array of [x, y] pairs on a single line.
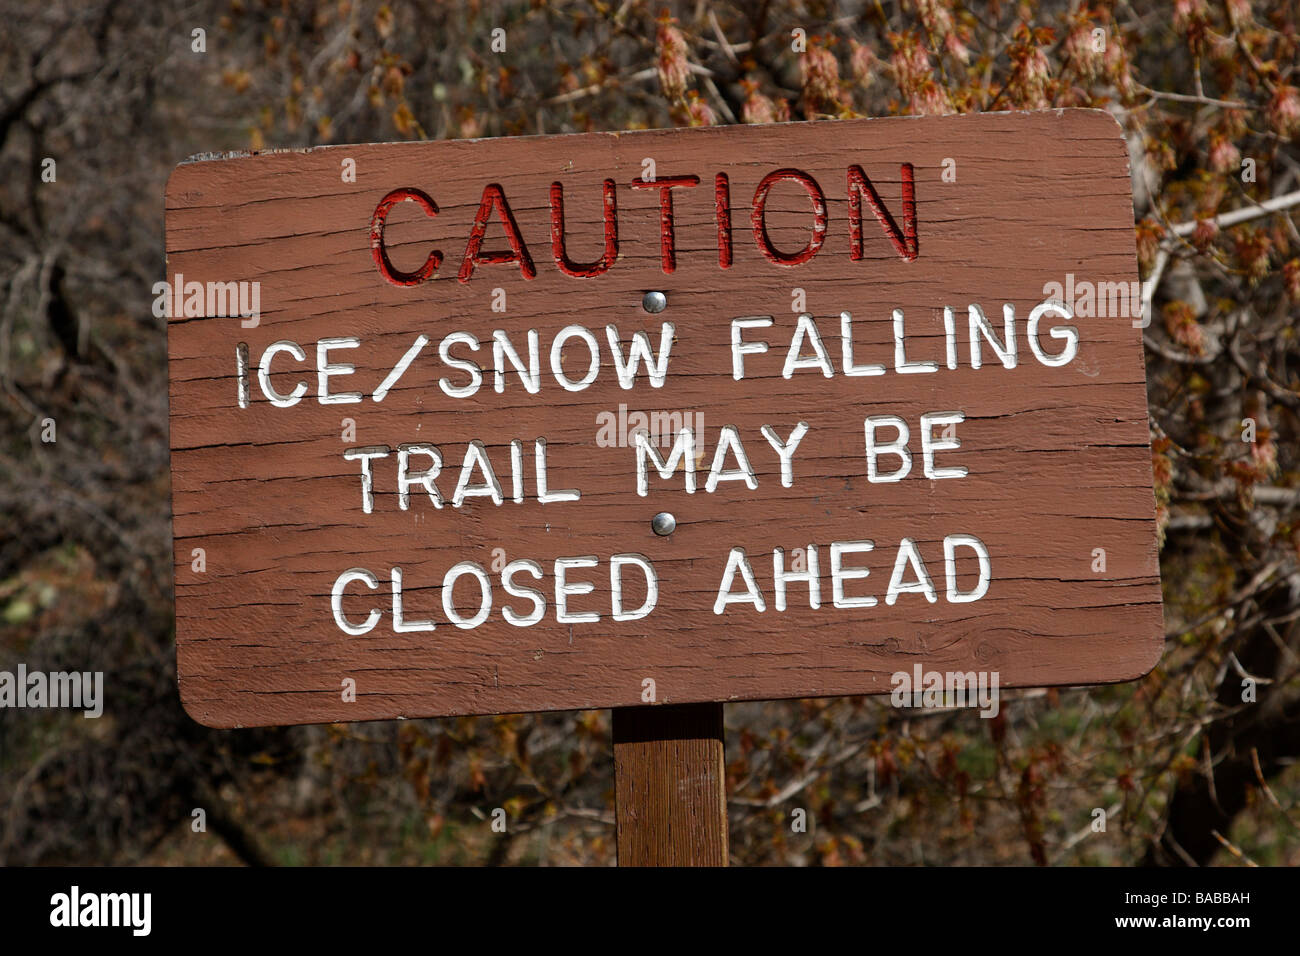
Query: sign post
[[670, 795], [655, 421]]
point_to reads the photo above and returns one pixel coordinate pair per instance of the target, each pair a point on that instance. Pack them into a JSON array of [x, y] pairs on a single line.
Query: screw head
[[663, 523], [654, 302]]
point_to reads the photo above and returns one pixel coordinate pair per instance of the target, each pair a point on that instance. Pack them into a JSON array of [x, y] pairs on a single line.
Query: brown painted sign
[[668, 416]]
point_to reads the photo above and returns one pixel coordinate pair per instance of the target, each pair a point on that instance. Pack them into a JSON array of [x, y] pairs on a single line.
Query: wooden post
[[670, 794]]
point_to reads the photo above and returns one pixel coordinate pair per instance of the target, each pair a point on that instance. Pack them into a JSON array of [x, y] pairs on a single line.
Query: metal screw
[[663, 523], [654, 302]]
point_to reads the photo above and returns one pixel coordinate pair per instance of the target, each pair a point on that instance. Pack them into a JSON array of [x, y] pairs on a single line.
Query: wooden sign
[[658, 417]]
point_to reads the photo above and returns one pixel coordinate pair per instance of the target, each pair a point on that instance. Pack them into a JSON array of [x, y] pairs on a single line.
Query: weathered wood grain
[[1058, 458], [670, 789]]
